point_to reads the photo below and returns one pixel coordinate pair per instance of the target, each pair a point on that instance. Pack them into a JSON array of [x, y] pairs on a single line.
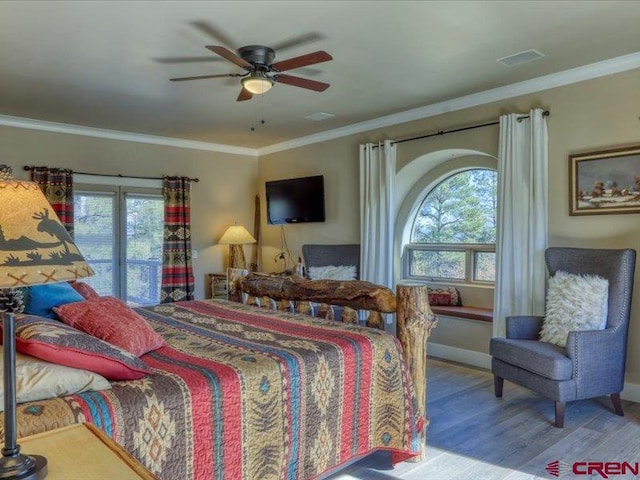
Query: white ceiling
[[107, 64]]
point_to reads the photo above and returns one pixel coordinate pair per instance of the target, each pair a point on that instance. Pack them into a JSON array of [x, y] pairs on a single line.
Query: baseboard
[[460, 355], [631, 391]]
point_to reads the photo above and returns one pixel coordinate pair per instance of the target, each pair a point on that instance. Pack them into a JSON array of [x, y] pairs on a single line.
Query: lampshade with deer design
[[35, 248]]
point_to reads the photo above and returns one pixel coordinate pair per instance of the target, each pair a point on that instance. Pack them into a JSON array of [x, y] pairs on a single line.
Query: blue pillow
[[42, 298]]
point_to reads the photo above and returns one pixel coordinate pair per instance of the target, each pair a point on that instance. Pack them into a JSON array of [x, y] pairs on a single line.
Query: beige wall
[[591, 115], [338, 162], [224, 194]]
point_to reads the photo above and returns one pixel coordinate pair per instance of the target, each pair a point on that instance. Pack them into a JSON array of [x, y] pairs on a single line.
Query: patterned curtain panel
[[57, 186], [177, 274]]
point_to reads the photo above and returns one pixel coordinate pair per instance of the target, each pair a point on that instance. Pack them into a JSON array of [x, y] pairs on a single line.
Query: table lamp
[[35, 249], [235, 237]]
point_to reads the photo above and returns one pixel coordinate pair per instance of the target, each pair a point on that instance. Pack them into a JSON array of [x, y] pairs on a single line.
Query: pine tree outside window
[[453, 237]]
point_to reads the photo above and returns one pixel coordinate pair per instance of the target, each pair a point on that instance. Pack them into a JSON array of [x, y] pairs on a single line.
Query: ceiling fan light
[[257, 84]]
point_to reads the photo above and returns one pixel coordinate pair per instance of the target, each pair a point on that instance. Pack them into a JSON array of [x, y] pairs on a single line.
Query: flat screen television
[[295, 200]]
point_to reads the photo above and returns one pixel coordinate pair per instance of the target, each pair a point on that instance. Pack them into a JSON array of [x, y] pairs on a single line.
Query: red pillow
[[56, 342], [111, 320], [444, 296], [85, 290]]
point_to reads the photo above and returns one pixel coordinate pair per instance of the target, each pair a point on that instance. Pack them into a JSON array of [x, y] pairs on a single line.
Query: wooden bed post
[[414, 323]]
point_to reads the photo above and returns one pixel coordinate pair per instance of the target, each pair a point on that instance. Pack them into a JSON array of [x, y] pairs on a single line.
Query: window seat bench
[[470, 313]]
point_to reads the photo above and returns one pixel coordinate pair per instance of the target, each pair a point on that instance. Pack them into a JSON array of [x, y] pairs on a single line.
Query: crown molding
[[546, 82], [70, 129]]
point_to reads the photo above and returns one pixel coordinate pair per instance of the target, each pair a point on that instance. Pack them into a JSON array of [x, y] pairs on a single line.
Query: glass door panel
[[95, 234], [143, 246]]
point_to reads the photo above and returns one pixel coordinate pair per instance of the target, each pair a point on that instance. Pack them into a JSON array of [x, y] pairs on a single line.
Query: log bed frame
[[414, 318]]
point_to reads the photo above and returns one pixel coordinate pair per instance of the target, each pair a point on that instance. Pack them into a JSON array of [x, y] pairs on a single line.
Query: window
[[119, 231], [453, 237]]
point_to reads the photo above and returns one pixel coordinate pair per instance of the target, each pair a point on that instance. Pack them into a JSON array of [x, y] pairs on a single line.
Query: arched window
[[453, 237]]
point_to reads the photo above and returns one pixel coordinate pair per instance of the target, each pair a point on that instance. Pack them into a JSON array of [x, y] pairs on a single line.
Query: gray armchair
[[593, 362], [323, 255], [336, 255]]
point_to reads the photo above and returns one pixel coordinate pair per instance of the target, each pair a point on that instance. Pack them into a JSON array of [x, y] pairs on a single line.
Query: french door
[[119, 232]]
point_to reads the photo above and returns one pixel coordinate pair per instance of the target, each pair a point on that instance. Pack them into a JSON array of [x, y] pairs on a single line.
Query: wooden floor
[[473, 435]]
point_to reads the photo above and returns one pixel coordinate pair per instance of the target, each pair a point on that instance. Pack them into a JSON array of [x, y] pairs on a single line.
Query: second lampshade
[[235, 237]]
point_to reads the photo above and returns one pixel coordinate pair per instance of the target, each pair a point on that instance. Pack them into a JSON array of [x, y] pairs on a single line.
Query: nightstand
[[82, 451], [219, 287]]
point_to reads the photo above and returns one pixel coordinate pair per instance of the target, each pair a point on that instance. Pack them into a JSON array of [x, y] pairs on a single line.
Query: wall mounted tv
[[295, 200]]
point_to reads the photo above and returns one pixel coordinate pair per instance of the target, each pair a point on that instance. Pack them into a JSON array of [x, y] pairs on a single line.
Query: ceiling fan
[[261, 73]]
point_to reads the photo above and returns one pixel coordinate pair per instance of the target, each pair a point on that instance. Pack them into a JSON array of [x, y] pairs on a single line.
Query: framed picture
[[605, 182]]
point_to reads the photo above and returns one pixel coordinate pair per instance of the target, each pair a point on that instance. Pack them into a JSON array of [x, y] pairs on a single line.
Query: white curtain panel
[[522, 218], [377, 179]]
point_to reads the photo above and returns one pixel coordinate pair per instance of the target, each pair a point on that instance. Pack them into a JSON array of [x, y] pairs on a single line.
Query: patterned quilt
[[241, 393]]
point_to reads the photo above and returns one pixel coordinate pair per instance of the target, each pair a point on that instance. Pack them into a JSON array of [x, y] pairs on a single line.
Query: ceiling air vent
[[522, 57], [319, 116]]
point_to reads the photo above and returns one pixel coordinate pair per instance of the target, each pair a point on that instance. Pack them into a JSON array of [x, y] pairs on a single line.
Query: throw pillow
[[574, 302], [85, 290], [111, 320], [444, 296], [333, 272], [39, 380], [58, 343], [43, 298]]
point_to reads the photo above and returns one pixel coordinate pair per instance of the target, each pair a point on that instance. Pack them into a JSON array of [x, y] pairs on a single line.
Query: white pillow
[[574, 302], [333, 272], [39, 380]]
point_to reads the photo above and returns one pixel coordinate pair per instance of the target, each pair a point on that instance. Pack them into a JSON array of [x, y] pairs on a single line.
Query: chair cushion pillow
[[541, 358], [43, 298], [56, 342], [111, 320], [574, 302]]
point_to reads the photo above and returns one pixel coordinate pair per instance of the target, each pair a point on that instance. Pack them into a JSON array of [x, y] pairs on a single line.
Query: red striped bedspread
[[242, 393]]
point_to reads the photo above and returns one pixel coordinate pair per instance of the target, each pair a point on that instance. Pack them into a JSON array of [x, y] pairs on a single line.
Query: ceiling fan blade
[[229, 55], [296, 41], [202, 77], [186, 59], [302, 61], [301, 82], [244, 95], [215, 33]]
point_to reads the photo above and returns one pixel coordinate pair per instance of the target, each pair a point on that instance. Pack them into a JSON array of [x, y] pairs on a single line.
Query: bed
[[240, 392]]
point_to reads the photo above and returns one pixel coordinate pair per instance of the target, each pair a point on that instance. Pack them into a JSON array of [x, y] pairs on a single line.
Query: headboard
[[338, 255]]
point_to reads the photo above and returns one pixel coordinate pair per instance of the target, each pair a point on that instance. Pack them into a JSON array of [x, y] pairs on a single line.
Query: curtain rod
[[31, 167], [546, 113]]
